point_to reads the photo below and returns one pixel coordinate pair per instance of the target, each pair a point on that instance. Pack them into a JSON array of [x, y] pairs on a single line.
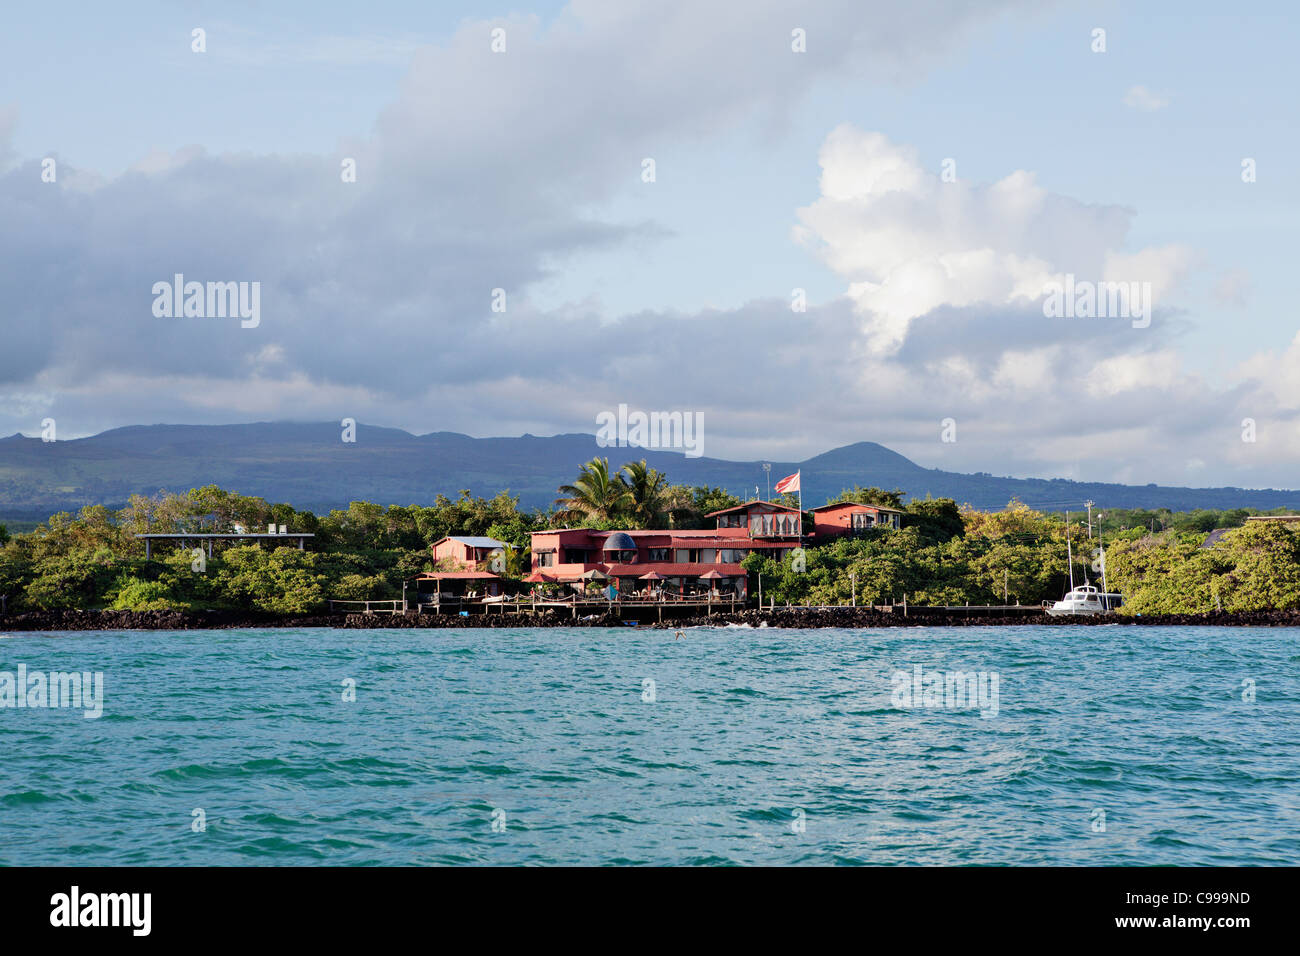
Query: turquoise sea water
[[759, 746]]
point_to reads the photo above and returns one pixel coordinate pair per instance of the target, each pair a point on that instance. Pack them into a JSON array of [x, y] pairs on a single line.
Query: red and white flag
[[788, 484]]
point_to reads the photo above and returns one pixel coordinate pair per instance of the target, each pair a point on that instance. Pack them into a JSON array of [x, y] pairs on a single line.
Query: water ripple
[[518, 746]]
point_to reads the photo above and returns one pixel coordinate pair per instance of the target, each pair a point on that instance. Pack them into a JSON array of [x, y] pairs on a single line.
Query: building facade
[[676, 562], [465, 552], [848, 517]]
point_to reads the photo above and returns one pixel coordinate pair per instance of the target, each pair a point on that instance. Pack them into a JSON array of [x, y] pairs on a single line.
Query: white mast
[[1069, 554], [1105, 588]]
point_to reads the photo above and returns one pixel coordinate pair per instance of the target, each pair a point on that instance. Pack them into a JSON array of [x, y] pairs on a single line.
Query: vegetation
[[93, 560], [943, 554], [636, 496], [946, 555]]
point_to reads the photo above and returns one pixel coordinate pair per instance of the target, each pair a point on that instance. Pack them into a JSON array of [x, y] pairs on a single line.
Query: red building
[[466, 552], [846, 517], [679, 559]]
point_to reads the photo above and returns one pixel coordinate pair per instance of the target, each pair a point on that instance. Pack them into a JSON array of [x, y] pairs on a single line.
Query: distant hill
[[309, 466]]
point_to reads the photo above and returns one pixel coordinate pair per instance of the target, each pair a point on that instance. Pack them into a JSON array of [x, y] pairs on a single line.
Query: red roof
[[856, 504], [749, 504]]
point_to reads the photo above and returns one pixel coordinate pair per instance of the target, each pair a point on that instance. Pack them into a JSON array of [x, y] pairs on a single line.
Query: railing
[[521, 603], [789, 529], [393, 606]]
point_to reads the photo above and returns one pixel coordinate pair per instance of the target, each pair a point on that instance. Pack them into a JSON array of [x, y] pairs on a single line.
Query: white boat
[[1085, 599]]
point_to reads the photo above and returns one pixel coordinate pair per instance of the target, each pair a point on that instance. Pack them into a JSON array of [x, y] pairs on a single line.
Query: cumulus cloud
[[909, 242], [486, 172]]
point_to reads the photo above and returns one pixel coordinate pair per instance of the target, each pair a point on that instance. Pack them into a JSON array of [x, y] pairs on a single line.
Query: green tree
[[595, 495], [870, 496], [937, 518], [648, 505]]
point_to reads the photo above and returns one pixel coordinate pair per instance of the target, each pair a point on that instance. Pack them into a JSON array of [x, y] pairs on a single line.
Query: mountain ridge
[[309, 465]]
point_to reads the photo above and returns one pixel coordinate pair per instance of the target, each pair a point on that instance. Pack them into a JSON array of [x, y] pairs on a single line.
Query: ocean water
[[1110, 745]]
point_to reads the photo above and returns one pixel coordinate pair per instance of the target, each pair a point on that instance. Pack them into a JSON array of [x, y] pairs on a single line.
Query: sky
[[852, 241]]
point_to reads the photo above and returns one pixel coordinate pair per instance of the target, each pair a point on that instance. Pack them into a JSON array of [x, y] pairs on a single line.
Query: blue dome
[[619, 541]]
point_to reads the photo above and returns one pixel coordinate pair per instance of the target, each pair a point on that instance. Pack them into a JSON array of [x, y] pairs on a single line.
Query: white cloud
[[908, 242], [1123, 373], [1148, 101]]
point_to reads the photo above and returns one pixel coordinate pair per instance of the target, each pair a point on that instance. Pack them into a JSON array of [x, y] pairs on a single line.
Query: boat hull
[[1075, 611]]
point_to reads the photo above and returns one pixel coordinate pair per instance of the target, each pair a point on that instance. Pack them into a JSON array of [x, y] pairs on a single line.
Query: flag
[[790, 483]]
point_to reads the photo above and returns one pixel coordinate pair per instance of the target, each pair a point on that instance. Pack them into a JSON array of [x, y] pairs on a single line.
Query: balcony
[[775, 526]]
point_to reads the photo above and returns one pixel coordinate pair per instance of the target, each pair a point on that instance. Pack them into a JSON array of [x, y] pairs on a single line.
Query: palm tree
[[595, 494], [648, 488]]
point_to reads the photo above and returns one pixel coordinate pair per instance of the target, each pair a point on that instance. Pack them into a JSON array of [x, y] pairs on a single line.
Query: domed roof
[[619, 541]]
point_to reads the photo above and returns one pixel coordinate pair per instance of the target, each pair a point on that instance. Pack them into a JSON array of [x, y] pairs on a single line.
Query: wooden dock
[[524, 605]]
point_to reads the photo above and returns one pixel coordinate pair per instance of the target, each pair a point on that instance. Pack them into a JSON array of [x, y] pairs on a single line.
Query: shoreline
[[787, 618]]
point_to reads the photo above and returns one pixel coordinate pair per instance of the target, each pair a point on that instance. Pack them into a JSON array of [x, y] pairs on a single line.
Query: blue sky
[[1134, 153]]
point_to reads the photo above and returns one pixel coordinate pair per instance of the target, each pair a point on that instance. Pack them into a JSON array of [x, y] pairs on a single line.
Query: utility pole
[[1088, 505], [767, 470]]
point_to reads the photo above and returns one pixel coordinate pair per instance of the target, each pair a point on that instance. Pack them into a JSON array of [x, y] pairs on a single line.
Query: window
[[575, 555], [657, 554], [709, 556], [545, 559], [863, 520]]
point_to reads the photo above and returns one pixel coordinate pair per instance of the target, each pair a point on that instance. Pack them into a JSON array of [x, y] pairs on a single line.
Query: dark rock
[[791, 617]]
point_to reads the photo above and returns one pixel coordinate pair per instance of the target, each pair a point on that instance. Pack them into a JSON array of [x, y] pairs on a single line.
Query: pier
[[524, 605]]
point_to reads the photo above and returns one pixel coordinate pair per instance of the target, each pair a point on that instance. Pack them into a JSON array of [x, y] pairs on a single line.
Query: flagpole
[[800, 474]]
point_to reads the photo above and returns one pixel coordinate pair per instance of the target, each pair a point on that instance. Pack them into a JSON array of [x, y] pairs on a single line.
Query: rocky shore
[[153, 620], [850, 617], [794, 617]]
